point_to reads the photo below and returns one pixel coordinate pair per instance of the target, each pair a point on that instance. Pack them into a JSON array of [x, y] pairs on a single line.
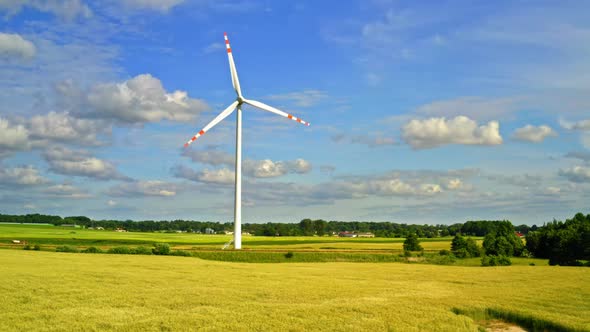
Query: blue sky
[[429, 112]]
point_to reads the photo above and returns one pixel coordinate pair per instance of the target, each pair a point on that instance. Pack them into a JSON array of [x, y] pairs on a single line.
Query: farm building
[[209, 230], [366, 234], [347, 234]]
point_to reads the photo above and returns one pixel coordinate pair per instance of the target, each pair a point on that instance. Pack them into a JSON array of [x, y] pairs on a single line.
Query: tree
[[412, 243], [306, 226], [320, 227]]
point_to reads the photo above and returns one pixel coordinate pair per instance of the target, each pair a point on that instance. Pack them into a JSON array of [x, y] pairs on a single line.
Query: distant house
[[366, 234], [519, 234], [120, 230], [16, 242], [70, 225], [347, 234], [229, 232], [100, 228], [209, 230]]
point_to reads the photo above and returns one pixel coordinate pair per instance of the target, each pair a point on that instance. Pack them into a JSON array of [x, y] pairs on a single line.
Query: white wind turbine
[[237, 104]]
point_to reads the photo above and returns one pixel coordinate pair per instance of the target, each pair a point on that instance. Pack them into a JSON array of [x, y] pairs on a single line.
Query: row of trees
[[563, 243], [305, 227]]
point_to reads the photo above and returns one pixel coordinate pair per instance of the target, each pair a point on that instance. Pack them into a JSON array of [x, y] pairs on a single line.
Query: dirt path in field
[[500, 326]]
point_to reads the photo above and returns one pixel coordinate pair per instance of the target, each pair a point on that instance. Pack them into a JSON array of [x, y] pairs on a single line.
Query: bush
[[180, 253], [27, 247], [407, 253], [66, 249], [120, 250], [92, 250], [37, 247], [289, 255], [495, 260], [161, 249], [142, 251], [444, 252]]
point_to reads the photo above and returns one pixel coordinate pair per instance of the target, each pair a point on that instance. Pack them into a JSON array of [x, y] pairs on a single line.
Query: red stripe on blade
[[185, 145], [229, 50], [289, 116], [201, 133], [194, 138]]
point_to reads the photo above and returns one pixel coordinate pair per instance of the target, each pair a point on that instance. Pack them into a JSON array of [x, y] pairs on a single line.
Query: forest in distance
[[306, 227]]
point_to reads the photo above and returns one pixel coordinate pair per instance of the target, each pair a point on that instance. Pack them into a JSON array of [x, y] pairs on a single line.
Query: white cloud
[[305, 98], [145, 188], [222, 176], [66, 191], [13, 45], [579, 125], [111, 202], [267, 168], [138, 100], [576, 174], [159, 5], [534, 134], [582, 155], [453, 184], [61, 127], [12, 137], [22, 176], [65, 9], [81, 163], [434, 132], [213, 47], [209, 157]]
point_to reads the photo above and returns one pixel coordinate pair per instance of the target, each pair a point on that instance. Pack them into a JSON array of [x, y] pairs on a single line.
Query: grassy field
[[47, 291], [52, 236]]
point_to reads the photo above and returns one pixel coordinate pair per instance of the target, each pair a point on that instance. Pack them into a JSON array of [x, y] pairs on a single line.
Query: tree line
[[306, 227]]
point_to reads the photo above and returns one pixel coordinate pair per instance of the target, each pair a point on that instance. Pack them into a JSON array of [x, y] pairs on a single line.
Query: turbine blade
[[215, 121], [271, 109], [232, 67]]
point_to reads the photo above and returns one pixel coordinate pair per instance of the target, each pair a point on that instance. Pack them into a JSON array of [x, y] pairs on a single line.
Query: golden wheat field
[[46, 291]]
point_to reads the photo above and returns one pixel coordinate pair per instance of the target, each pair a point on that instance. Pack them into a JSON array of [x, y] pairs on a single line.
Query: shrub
[[180, 253], [289, 255], [142, 251], [27, 247], [444, 252], [66, 249], [161, 249], [37, 247], [120, 250], [407, 253], [495, 260], [92, 250]]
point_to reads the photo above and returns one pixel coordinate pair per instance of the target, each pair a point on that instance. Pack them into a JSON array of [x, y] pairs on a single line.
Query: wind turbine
[[237, 104]]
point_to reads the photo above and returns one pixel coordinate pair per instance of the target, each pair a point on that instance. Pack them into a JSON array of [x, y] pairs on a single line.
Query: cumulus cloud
[[13, 45], [220, 176], [138, 100], [254, 168], [12, 137], [434, 132], [62, 127], [579, 125], [158, 5], [576, 174], [534, 134], [22, 176], [267, 168], [305, 98], [65, 9], [80, 163], [145, 188], [66, 191], [209, 157]]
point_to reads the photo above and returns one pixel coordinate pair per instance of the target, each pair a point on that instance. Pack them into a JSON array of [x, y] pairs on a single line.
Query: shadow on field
[[529, 323]]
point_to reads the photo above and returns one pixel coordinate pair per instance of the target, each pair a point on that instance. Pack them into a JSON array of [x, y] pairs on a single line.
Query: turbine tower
[[237, 104]]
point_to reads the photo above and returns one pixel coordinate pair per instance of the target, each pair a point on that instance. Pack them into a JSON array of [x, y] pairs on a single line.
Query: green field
[[52, 236], [46, 291]]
